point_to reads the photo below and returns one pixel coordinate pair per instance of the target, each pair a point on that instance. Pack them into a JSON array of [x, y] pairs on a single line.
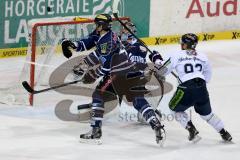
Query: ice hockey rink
[[34, 133]]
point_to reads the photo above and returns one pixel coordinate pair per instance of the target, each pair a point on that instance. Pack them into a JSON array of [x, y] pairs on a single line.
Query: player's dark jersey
[[136, 52], [89, 42], [106, 45]]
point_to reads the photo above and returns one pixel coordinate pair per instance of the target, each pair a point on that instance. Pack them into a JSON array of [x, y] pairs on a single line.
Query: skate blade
[[196, 139], [91, 141], [227, 142], [162, 141]]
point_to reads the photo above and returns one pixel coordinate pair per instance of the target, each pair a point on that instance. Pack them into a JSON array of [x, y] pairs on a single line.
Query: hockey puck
[[49, 9]]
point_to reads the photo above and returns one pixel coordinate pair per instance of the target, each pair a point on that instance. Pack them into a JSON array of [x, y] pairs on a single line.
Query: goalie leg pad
[[80, 69], [91, 59]]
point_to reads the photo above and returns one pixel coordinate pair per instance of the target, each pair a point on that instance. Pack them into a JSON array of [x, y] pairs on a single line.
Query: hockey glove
[[66, 46], [155, 57]]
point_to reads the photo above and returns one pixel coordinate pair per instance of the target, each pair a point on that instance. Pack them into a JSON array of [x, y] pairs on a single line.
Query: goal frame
[[33, 43]]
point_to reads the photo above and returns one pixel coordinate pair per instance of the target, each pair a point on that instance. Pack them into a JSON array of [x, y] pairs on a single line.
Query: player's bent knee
[[203, 110]]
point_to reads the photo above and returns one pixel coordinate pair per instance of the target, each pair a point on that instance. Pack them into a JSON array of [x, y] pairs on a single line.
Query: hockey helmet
[[125, 34], [190, 39], [104, 20], [131, 26]]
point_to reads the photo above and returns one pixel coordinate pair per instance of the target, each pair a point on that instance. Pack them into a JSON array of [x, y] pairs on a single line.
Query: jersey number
[[189, 68]]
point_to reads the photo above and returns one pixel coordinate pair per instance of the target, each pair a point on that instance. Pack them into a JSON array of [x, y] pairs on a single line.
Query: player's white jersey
[[188, 64]]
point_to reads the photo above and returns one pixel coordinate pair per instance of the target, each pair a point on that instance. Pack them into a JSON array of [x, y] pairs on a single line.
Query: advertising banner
[[16, 14], [173, 17]]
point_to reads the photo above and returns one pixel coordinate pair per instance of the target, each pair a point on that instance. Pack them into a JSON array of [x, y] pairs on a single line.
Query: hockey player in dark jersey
[[134, 88], [137, 54], [114, 64]]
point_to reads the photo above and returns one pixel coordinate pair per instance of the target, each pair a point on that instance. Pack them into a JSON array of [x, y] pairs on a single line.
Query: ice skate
[[225, 135], [159, 131], [160, 134], [92, 137], [193, 133]]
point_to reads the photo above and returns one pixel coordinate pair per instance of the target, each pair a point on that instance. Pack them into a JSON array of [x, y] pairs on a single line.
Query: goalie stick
[[31, 90]]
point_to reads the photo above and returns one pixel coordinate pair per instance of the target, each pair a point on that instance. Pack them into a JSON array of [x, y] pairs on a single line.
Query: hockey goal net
[[44, 53]]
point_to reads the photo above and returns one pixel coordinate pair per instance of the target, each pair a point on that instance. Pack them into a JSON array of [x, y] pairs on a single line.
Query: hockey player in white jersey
[[194, 72]]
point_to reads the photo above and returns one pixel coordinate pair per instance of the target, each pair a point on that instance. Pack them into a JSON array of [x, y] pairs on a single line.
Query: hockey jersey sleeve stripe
[[80, 46], [95, 54], [122, 68], [99, 72], [98, 108], [122, 63], [106, 69]]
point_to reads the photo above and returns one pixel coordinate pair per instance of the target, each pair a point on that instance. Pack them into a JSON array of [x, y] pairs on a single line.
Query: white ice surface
[[34, 133]]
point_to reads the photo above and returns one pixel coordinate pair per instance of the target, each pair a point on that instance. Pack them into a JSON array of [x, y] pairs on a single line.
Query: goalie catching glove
[[67, 45]]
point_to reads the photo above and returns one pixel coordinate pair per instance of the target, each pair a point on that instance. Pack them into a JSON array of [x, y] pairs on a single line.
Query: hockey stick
[[115, 14], [31, 90]]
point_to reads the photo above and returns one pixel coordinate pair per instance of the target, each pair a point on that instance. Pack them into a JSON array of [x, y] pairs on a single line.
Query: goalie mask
[[104, 20], [190, 40], [125, 35]]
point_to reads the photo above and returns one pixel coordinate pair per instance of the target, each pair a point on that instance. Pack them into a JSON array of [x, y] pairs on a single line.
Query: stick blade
[[27, 87]]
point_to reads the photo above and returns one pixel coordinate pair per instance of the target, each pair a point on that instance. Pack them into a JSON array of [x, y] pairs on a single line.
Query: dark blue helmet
[[190, 39], [125, 35]]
